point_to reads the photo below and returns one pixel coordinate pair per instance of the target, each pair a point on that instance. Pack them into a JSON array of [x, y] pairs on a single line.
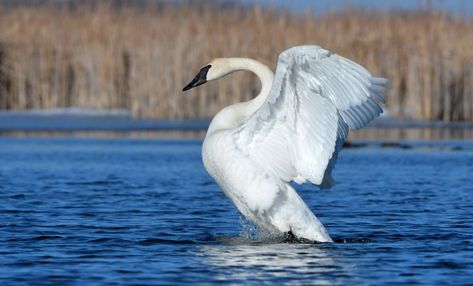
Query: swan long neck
[[264, 73], [236, 114]]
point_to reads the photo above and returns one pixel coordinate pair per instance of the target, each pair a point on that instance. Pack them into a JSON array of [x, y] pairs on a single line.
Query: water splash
[[248, 230]]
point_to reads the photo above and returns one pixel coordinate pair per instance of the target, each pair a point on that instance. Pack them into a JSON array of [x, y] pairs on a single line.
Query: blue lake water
[[144, 211]]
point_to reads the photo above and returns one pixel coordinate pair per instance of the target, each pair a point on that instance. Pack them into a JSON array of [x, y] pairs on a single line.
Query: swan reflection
[[243, 260]]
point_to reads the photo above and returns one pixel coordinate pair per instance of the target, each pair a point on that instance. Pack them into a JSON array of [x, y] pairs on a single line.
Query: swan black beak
[[199, 79]]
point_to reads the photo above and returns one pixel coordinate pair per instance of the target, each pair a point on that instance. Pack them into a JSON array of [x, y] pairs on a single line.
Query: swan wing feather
[[316, 97]]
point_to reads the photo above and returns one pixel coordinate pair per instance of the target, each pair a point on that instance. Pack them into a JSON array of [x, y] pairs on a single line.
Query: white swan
[[291, 131]]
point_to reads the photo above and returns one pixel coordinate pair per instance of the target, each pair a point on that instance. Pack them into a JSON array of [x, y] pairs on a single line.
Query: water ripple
[[142, 212]]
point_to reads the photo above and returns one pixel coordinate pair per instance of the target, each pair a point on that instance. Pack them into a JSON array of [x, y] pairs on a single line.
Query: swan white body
[[291, 131]]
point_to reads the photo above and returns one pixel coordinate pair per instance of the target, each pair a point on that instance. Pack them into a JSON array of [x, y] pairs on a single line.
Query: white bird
[[291, 131]]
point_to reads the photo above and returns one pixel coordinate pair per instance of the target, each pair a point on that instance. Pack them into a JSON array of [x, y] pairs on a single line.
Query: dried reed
[[140, 58]]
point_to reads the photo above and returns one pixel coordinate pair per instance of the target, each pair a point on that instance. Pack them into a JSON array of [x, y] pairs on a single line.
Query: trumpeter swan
[[291, 131]]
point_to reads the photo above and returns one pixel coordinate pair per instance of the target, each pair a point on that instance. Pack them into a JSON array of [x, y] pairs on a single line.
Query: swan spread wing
[[316, 97]]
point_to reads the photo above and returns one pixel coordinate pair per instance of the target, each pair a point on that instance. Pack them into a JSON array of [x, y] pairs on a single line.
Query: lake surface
[[144, 211]]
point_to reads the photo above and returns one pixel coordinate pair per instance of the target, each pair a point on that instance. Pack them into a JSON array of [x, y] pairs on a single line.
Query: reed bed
[[139, 58]]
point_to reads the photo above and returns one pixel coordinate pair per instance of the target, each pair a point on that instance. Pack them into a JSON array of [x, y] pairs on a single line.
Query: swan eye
[[199, 79]]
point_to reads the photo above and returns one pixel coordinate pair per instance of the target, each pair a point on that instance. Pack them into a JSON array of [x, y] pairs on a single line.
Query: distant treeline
[[139, 58]]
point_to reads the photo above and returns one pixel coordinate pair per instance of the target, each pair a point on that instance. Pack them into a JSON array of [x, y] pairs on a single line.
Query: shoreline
[[89, 123]]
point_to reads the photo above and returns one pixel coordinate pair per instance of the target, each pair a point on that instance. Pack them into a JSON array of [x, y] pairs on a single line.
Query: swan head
[[214, 70]]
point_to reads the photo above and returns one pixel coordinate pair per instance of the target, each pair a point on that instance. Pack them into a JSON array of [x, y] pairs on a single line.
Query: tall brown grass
[[140, 58]]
